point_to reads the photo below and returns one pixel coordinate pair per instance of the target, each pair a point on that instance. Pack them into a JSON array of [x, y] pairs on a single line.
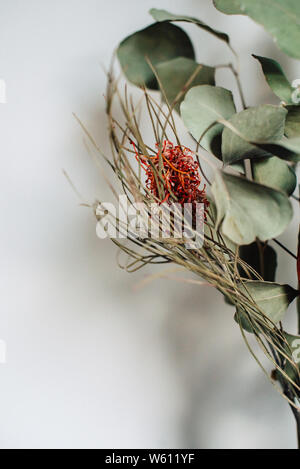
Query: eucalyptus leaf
[[272, 298], [285, 148], [230, 7], [294, 343], [244, 138], [292, 123], [263, 124], [175, 74], [293, 350], [210, 230], [276, 79], [201, 110], [238, 167], [262, 258], [163, 15], [248, 210], [279, 17], [276, 173], [244, 321], [157, 43]]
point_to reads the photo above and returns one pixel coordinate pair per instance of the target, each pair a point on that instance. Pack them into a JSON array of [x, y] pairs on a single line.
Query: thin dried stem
[[214, 263]]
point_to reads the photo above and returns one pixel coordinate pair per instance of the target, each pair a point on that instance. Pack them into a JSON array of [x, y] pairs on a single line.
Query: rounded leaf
[[175, 74], [293, 350], [251, 254], [158, 43], [247, 210], [259, 124], [276, 79], [163, 15], [201, 110], [286, 148], [292, 123], [272, 298], [276, 173], [229, 7], [279, 17]]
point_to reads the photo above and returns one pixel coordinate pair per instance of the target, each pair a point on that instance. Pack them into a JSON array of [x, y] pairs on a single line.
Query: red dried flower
[[181, 175]]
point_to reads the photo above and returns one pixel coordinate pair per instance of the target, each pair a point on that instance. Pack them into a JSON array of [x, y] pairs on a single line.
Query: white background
[[91, 362]]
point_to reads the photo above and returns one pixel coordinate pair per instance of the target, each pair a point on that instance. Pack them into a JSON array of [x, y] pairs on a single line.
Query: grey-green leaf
[[294, 351], [252, 253], [176, 74], [157, 43], [230, 7], [285, 148], [248, 210], [292, 123], [281, 18], [263, 123], [163, 15], [276, 79], [276, 173], [272, 298], [201, 110], [210, 230]]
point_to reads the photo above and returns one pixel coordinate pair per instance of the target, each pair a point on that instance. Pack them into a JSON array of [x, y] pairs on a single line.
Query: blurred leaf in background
[[279, 17]]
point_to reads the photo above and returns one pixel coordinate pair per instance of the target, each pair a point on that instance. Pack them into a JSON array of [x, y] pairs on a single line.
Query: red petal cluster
[[181, 175]]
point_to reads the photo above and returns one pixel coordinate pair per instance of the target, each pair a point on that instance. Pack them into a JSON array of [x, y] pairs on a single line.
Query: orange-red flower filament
[[180, 174]]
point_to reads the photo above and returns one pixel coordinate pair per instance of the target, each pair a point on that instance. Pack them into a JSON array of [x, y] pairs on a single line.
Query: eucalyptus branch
[[242, 211]]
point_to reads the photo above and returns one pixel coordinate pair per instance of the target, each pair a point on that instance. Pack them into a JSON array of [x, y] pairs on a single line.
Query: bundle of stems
[[217, 262]]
